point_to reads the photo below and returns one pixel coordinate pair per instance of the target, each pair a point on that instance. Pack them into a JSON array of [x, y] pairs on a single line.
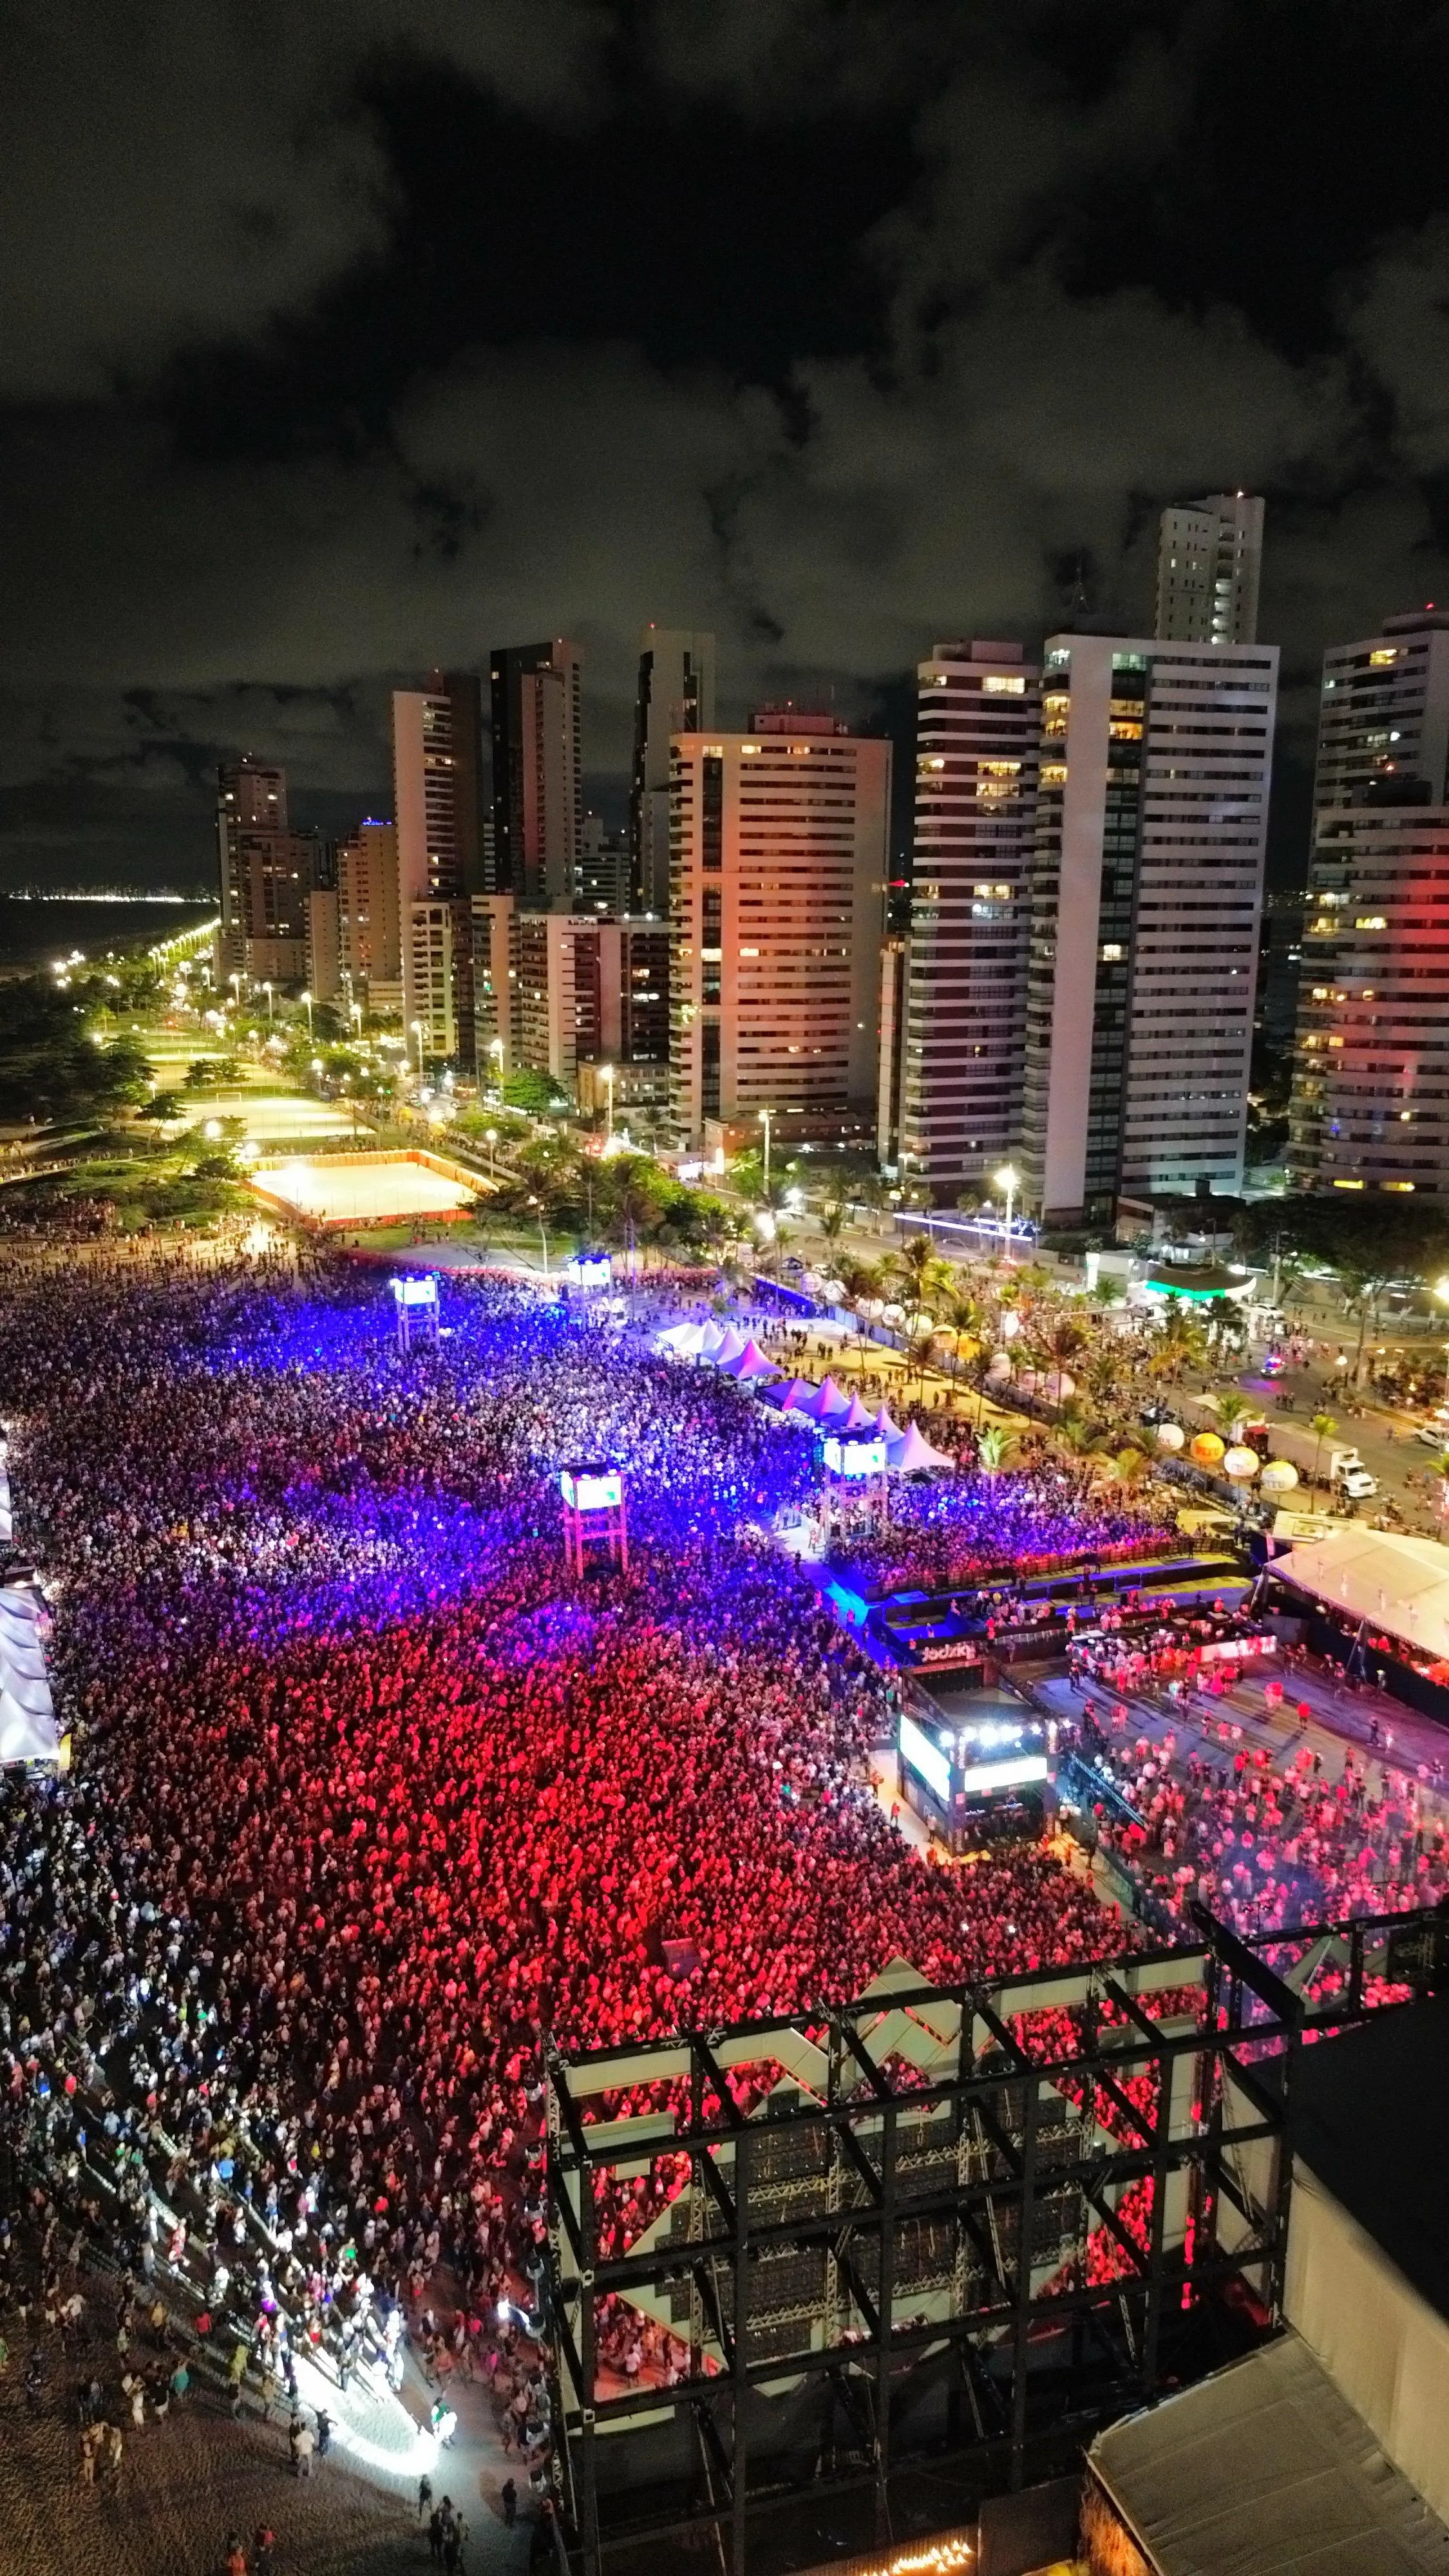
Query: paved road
[[1406, 1468]]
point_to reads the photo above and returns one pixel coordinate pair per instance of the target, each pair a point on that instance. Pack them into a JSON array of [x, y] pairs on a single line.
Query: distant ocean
[[33, 932]]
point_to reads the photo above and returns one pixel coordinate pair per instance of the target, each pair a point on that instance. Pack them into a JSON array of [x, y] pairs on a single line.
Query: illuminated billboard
[[415, 1292], [926, 1759], [592, 1489]]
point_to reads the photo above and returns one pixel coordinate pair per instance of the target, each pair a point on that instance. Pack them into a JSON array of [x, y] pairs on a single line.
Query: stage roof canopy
[[1262, 2470], [1398, 1584]]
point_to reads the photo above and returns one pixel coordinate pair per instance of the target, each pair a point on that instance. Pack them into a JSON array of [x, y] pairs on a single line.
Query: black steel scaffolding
[[938, 2218]]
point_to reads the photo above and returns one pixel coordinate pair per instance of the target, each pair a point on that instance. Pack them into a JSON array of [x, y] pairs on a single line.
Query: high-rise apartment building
[[538, 809], [675, 695], [778, 844], [266, 874], [1147, 889], [368, 923], [1209, 562], [1370, 1102], [437, 762], [962, 1018], [1384, 711], [555, 991], [604, 876]]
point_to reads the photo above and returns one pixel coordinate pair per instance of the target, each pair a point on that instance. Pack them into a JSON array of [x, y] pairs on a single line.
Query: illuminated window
[[1054, 773], [1397, 1185], [1348, 1185], [1121, 731], [995, 686], [1111, 952], [1385, 653], [1371, 921]]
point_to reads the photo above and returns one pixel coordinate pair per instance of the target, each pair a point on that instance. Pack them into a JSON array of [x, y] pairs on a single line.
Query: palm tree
[[963, 1320], [831, 1220], [1323, 1427], [993, 1447], [1362, 1288]]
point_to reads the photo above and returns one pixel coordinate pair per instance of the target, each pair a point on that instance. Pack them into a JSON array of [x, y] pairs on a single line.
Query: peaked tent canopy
[[857, 1419], [711, 1338], [913, 1452], [751, 1363], [828, 1401], [886, 1429], [683, 1339], [798, 1396], [728, 1348]]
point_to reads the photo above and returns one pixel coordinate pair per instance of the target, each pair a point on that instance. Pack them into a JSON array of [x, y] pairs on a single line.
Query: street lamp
[[235, 983], [307, 999], [490, 1139], [266, 988], [1007, 1179], [606, 1074], [419, 1028], [765, 1116], [543, 1237]]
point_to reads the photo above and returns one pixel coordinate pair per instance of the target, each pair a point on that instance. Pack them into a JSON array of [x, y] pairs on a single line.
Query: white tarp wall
[[28, 1732]]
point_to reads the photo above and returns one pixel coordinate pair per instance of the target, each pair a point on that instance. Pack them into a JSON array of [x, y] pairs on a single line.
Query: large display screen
[[926, 1759], [602, 1491], [1014, 1773], [855, 1457], [415, 1292]]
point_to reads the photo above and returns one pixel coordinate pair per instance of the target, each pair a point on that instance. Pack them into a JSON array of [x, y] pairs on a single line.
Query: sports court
[[330, 1190]]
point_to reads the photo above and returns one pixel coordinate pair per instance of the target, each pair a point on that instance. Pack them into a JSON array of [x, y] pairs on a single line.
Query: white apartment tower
[[675, 695], [778, 841], [1147, 890], [962, 1034], [436, 750], [1384, 712], [1209, 561]]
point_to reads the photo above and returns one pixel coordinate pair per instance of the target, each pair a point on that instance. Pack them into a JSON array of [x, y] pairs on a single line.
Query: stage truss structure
[[952, 2216]]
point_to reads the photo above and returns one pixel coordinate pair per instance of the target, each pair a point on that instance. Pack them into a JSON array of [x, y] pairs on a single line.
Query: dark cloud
[[339, 342]]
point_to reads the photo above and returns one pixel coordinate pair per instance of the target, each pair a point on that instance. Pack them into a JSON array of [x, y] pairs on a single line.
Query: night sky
[[340, 337]]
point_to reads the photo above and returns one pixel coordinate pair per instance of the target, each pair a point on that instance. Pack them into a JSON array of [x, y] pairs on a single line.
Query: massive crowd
[[968, 1528], [370, 1798]]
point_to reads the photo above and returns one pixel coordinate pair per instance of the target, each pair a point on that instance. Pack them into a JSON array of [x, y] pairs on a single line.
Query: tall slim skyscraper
[[1209, 562], [1370, 1103], [1384, 712], [266, 874], [369, 929], [963, 1020], [437, 758], [780, 842], [1147, 889], [538, 804], [675, 695]]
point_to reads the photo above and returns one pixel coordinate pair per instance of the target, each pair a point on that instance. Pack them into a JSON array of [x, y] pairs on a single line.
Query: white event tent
[[1400, 1585]]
